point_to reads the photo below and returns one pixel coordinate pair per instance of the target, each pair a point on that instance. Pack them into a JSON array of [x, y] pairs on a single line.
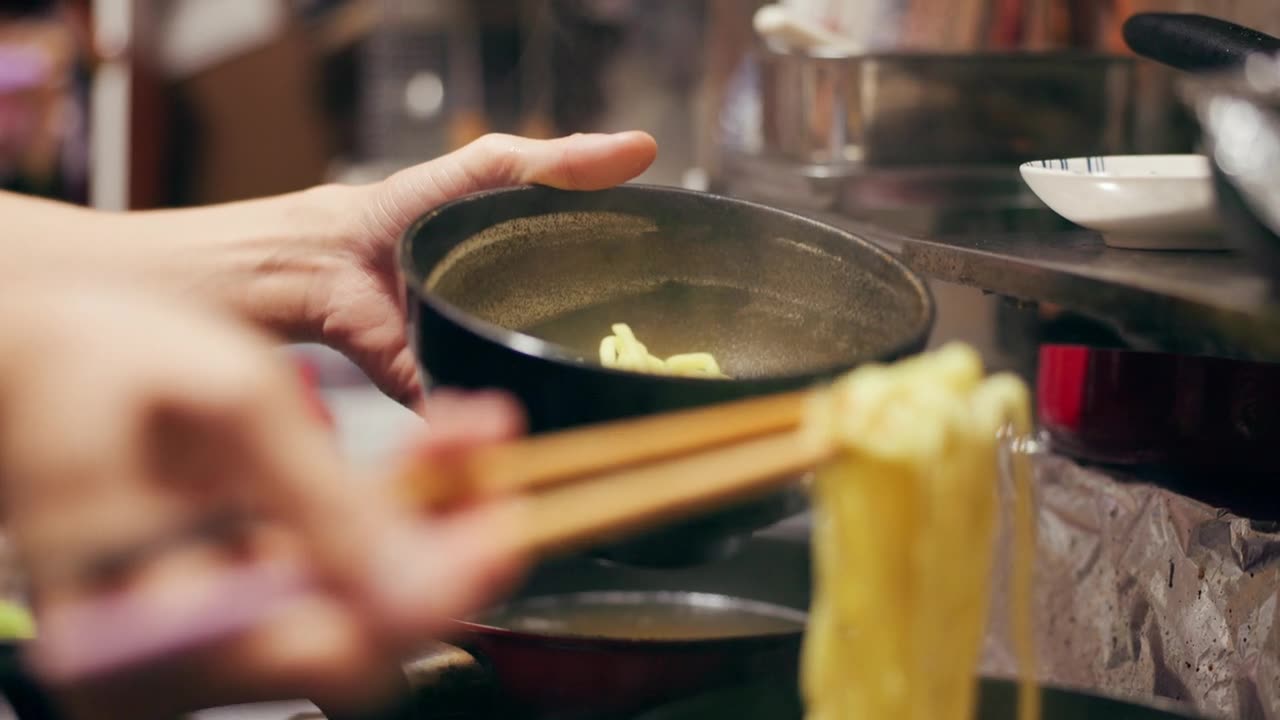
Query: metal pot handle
[[440, 679], [445, 676]]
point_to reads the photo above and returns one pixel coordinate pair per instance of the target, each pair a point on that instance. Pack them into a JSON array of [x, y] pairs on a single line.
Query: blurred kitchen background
[[159, 103], [916, 125]]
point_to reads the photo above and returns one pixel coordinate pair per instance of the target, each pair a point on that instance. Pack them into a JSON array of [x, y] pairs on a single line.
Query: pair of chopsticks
[[583, 485], [569, 489]]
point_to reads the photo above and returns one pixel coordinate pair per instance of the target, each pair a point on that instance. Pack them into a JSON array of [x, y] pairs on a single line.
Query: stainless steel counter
[[1212, 303]]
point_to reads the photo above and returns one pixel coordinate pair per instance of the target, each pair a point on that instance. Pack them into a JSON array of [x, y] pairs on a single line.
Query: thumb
[[577, 162]]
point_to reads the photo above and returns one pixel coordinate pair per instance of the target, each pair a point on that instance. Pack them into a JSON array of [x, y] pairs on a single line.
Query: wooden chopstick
[[618, 503], [546, 460], [594, 483]]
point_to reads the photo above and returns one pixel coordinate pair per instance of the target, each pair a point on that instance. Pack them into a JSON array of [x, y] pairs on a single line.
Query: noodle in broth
[[622, 351]]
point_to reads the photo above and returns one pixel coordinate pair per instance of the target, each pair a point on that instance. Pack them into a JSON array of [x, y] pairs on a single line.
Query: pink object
[[118, 634], [22, 68]]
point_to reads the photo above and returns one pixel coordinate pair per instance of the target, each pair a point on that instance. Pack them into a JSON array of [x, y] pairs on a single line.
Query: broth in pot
[[651, 616]]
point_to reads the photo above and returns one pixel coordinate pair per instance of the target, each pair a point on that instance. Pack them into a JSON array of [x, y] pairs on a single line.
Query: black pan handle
[[1194, 42], [443, 680], [28, 699]]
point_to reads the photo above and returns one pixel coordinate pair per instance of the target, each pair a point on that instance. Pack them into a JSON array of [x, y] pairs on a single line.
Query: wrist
[[272, 262], [279, 268]]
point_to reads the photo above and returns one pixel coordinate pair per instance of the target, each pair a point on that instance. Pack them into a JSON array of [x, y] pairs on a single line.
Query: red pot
[[1122, 407], [562, 676], [594, 678]]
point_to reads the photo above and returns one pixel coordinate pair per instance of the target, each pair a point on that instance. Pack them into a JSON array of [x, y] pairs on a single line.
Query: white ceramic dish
[[1147, 202]]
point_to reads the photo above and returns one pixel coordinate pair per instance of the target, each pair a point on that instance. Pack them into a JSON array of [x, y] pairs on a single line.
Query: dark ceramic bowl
[[514, 289]]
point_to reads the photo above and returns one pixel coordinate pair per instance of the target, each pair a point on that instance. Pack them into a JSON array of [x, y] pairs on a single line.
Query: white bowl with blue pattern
[[1146, 202]]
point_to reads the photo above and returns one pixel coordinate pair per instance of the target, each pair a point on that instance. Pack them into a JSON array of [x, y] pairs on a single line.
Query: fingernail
[[601, 141], [111, 635], [632, 135]]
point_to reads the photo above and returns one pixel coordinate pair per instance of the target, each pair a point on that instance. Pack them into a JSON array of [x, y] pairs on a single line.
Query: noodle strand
[[622, 351]]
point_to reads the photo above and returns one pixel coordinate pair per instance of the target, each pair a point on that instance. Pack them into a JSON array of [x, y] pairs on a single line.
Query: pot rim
[[554, 353], [588, 642]]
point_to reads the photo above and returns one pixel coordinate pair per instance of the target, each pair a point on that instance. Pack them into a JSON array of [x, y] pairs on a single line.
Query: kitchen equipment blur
[[423, 84], [1140, 202], [514, 289], [1239, 112], [786, 27], [43, 101], [440, 73], [903, 130], [920, 110], [1195, 42], [942, 99], [969, 26], [557, 650]]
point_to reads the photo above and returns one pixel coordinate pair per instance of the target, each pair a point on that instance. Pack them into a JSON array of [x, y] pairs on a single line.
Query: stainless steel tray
[[918, 109]]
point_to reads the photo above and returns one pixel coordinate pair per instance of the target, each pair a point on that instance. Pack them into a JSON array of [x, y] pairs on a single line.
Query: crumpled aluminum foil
[[1143, 593]]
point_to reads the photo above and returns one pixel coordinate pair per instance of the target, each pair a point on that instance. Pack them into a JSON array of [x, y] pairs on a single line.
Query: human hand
[[127, 421], [313, 266], [358, 307]]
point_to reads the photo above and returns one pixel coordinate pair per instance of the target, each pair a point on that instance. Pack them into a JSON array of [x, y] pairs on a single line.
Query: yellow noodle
[[904, 526], [622, 351]]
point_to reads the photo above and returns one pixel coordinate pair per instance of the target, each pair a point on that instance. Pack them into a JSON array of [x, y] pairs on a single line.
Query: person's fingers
[[213, 624], [297, 470], [74, 489], [470, 550], [577, 162], [457, 423], [313, 646], [406, 572], [447, 568], [309, 645], [458, 419], [99, 633], [248, 435], [397, 378], [133, 446]]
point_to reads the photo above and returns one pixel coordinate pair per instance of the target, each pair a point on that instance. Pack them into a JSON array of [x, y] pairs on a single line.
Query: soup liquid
[[645, 616]]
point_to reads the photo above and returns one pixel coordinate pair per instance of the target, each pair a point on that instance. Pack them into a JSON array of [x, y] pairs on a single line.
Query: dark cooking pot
[[1204, 427], [552, 674], [1197, 414], [515, 288]]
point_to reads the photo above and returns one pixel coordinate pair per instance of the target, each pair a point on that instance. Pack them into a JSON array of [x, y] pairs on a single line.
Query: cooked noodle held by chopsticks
[[622, 351], [905, 520]]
